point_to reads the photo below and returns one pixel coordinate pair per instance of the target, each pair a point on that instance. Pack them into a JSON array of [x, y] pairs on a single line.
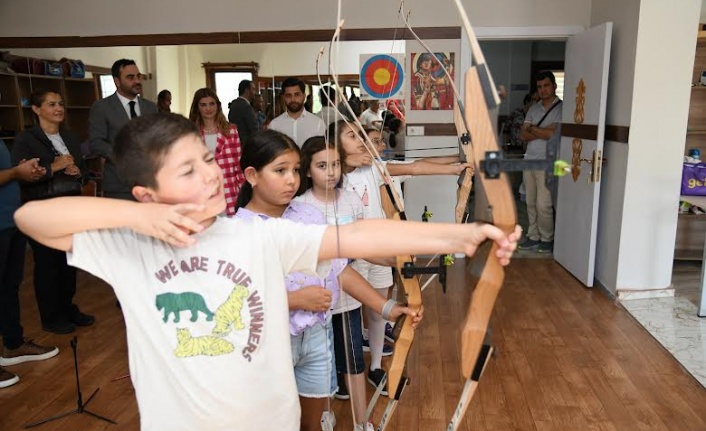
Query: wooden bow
[[494, 202]]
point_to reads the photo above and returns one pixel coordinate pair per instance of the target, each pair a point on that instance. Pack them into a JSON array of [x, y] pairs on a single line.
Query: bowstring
[[335, 216], [362, 137]]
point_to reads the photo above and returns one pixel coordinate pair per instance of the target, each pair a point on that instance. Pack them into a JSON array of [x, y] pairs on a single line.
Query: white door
[[583, 117]]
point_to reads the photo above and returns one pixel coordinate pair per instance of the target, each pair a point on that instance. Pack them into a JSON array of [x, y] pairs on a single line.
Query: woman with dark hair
[[222, 139], [164, 101], [58, 151]]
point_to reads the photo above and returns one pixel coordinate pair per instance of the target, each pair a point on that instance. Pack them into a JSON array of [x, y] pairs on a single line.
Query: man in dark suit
[[109, 115], [241, 111]]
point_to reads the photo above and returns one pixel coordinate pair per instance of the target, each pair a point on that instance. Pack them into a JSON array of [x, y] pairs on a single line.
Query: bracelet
[[387, 308]]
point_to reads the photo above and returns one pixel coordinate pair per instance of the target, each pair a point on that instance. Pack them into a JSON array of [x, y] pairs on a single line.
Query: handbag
[[60, 184], [693, 179]]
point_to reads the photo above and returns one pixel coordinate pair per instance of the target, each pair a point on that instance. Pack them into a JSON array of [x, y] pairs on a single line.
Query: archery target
[[381, 77]]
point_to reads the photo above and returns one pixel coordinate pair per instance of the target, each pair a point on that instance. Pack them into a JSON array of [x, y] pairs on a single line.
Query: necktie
[[133, 113]]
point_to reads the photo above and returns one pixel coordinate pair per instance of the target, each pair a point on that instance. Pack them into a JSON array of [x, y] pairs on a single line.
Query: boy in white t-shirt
[[203, 297]]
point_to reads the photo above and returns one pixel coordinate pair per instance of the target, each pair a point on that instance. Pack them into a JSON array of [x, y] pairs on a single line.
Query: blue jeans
[[312, 353]]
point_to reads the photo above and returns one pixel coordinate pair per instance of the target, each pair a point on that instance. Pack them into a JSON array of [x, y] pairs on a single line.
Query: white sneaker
[[364, 427], [328, 421]]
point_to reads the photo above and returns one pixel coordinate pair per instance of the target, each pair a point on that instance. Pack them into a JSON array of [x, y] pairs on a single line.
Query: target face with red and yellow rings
[[381, 76]]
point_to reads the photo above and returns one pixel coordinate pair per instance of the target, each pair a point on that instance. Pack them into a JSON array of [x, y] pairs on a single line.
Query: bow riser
[[501, 201]]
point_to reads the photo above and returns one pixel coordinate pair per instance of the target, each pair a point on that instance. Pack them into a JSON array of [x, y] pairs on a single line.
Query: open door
[[582, 133]]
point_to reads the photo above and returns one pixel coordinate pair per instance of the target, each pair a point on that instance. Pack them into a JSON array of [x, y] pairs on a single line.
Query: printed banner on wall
[[430, 88], [381, 76]]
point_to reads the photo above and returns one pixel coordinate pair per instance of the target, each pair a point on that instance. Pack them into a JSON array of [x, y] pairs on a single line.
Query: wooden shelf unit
[[691, 228], [16, 113]]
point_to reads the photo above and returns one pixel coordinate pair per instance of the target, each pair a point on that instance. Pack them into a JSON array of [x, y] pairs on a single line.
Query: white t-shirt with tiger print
[[208, 325]]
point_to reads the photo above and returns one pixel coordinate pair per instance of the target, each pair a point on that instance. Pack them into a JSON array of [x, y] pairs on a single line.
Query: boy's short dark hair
[[141, 144], [118, 65]]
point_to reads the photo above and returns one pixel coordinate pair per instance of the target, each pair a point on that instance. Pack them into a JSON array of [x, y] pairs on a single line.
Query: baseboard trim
[[626, 295]]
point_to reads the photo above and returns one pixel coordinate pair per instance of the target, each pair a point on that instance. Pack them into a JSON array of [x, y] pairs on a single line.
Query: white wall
[[85, 18], [169, 76], [666, 41]]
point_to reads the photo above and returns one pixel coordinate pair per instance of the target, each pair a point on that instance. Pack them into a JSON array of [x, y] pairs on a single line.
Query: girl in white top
[[365, 180]]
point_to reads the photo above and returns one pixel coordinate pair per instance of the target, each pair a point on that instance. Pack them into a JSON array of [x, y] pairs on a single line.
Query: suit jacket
[[107, 117], [242, 115], [34, 143]]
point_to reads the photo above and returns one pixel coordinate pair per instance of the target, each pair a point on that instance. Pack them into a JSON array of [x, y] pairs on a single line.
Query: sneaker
[[328, 421], [528, 244], [27, 352], [545, 247], [386, 349], [364, 427], [342, 392], [389, 336], [7, 378], [375, 377]]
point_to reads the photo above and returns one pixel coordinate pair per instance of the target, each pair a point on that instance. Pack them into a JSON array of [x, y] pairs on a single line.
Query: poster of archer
[[430, 86]]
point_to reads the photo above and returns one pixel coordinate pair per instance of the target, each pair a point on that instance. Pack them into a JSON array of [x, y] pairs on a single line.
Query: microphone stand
[[80, 405]]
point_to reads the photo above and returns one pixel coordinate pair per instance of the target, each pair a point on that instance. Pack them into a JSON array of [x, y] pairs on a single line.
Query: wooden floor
[[567, 358], [686, 279]]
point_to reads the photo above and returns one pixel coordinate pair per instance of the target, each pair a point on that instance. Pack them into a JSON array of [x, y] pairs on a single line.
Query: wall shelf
[[78, 95]]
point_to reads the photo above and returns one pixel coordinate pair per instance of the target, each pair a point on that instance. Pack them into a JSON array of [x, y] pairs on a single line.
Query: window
[[107, 85], [227, 86], [224, 78]]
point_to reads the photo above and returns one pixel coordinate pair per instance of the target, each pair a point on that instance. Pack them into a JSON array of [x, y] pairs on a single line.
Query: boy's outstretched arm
[[381, 238], [53, 222]]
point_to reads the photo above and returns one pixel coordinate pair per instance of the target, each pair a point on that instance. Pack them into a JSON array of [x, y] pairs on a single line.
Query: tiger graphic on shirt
[[227, 318], [195, 346], [230, 312]]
